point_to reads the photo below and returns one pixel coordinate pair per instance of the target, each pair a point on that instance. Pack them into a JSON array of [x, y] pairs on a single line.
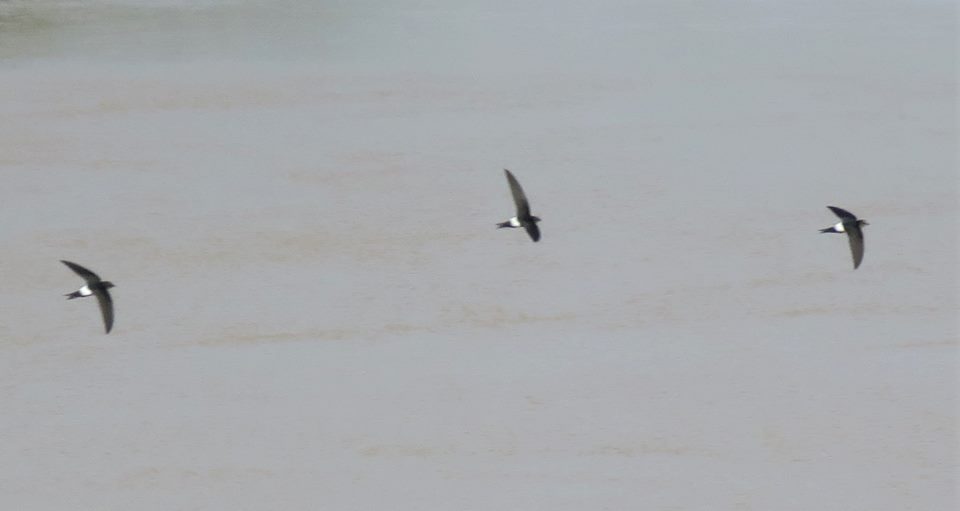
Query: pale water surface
[[297, 202]]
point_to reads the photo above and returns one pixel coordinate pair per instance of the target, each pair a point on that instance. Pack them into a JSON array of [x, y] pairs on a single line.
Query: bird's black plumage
[[843, 214], [533, 231], [854, 229], [519, 198], [524, 218], [98, 288]]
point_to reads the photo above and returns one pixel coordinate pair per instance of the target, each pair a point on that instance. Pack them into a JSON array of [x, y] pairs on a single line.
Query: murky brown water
[[297, 203]]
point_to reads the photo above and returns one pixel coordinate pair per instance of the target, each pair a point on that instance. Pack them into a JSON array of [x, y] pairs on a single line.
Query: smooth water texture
[[314, 309]]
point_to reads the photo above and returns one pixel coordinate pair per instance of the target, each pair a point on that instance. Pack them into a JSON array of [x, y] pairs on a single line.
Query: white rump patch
[[85, 291], [839, 227], [514, 222]]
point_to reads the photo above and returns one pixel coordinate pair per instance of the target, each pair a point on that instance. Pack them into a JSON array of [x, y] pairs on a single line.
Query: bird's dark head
[[107, 284], [862, 222], [535, 218]]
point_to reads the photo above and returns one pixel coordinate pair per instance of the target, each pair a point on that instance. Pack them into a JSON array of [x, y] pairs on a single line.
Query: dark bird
[[524, 218], [95, 287], [853, 227]]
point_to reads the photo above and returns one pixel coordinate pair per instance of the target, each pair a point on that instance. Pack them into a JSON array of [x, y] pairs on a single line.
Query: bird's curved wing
[[855, 235], [533, 231], [843, 214], [87, 275], [106, 307], [519, 198]]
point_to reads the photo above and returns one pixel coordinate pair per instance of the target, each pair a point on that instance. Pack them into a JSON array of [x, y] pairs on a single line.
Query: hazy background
[[297, 202]]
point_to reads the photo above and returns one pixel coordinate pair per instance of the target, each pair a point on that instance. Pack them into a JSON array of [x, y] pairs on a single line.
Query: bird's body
[[80, 293], [853, 227], [94, 287], [524, 218], [838, 227]]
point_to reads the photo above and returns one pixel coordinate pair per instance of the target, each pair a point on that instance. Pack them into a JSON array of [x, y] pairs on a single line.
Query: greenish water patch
[[161, 32], [25, 29]]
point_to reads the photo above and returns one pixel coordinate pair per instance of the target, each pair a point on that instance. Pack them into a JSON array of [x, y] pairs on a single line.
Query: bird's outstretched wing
[[519, 198], [855, 235], [106, 307], [843, 214], [87, 275], [533, 231]]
